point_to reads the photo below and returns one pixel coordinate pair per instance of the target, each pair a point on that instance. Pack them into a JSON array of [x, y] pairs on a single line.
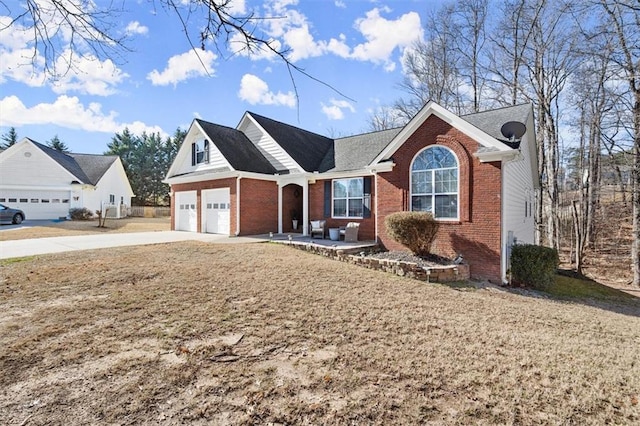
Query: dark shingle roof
[[87, 168], [356, 152], [308, 149], [94, 166], [491, 121], [238, 150]]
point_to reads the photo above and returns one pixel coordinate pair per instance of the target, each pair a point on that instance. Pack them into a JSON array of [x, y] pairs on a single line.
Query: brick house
[[256, 178]]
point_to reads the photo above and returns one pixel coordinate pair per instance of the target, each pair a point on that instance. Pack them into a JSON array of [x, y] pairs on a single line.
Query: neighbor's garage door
[[215, 212], [185, 211], [38, 204]]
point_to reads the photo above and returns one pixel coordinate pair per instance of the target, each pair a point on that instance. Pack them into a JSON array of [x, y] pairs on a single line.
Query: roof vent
[[513, 130]]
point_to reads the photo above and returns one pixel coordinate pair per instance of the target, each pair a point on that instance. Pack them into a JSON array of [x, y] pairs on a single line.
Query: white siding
[[518, 195], [28, 166], [182, 163], [114, 182], [273, 152]]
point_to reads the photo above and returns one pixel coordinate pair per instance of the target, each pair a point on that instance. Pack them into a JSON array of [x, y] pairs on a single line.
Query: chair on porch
[[350, 232], [318, 227]]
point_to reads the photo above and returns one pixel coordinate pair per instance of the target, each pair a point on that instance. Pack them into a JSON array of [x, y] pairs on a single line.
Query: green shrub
[[80, 214], [533, 266], [414, 230]]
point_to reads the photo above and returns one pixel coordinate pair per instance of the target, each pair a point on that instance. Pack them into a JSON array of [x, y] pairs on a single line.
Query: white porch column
[[305, 208], [279, 208]]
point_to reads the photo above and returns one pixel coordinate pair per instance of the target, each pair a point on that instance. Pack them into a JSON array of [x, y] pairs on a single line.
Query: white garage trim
[[38, 205], [186, 211], [216, 207]]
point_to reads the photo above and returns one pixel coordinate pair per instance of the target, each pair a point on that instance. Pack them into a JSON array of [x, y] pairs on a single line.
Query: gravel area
[[404, 256]]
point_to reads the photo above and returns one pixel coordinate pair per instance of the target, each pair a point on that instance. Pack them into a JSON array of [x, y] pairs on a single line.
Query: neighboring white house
[[46, 183]]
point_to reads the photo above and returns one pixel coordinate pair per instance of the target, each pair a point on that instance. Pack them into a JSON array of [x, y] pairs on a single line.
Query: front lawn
[[259, 333]]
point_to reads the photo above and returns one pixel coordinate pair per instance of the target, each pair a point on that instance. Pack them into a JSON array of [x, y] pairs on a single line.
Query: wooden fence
[[145, 211]]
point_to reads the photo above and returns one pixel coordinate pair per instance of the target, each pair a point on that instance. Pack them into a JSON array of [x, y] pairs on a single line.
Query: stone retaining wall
[[355, 256]]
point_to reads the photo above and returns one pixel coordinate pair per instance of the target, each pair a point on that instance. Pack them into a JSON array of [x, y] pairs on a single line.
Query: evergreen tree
[[9, 138], [58, 145]]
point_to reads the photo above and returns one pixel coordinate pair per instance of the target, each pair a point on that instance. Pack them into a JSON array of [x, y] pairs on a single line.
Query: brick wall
[[259, 206], [291, 200], [366, 231], [199, 186], [477, 234]]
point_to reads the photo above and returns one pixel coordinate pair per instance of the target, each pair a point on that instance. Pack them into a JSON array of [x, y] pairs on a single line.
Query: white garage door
[[38, 204], [215, 212], [185, 211]]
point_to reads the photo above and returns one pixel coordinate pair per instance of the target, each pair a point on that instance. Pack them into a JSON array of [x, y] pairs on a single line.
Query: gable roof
[[308, 149], [87, 168], [237, 149], [356, 152], [491, 121], [488, 139]]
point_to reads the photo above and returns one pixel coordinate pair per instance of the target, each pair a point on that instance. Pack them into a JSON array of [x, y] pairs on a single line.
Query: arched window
[[434, 182]]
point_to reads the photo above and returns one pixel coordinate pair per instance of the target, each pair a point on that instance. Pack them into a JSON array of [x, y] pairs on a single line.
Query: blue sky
[[354, 46]]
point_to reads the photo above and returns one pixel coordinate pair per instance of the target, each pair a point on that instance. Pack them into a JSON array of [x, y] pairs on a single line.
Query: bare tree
[[62, 31], [431, 71], [470, 37], [509, 40], [622, 19], [385, 118], [549, 60]]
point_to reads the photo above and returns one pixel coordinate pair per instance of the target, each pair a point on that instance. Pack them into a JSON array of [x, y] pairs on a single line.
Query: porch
[[301, 241]]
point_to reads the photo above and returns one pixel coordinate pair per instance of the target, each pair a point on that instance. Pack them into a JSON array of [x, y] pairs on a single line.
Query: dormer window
[[200, 152]]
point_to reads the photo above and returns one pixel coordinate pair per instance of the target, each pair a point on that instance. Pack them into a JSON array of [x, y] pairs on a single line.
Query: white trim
[[194, 133], [432, 108], [248, 117], [491, 156], [280, 209], [433, 195], [503, 242], [333, 216], [35, 188], [237, 205], [191, 178]]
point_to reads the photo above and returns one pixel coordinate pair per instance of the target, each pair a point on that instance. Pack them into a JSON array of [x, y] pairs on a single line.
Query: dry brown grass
[[86, 227], [245, 334]]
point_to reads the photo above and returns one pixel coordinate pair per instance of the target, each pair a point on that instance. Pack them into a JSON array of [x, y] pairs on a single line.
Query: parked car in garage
[[9, 215]]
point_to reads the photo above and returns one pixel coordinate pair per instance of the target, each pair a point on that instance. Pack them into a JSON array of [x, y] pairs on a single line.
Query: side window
[[200, 152], [434, 182], [348, 198]]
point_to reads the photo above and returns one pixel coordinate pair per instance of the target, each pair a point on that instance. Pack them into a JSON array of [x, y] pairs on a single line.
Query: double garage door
[[215, 213], [38, 204]]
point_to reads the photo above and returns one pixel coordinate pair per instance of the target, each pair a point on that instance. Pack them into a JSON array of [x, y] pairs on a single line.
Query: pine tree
[[9, 138]]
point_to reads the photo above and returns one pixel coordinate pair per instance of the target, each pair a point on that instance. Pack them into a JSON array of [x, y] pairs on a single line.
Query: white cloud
[[302, 44], [69, 112], [185, 66], [384, 36], [238, 46], [341, 4], [381, 36], [21, 62], [335, 111], [89, 76], [134, 27], [237, 7], [256, 92]]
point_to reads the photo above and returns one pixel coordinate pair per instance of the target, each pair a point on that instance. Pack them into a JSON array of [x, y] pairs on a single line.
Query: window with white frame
[[434, 182], [348, 198], [202, 151]]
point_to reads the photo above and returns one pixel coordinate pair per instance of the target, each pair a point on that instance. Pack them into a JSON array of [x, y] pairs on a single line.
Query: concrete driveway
[[35, 246]]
